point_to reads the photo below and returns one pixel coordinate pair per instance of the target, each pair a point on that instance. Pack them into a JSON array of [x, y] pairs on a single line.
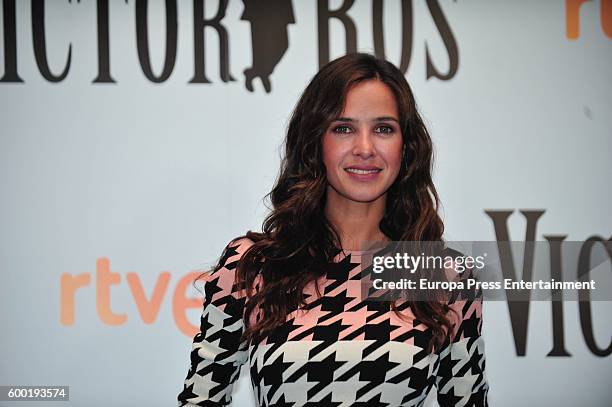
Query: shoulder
[[220, 282], [233, 252], [465, 303]]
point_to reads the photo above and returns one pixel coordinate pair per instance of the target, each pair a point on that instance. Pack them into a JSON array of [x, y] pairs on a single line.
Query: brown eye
[[385, 129], [341, 129]]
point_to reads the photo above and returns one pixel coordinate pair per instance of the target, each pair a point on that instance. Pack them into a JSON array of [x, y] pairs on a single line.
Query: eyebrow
[[377, 119]]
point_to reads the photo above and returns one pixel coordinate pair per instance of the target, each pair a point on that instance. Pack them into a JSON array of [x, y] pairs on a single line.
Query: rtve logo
[[148, 308], [572, 15]]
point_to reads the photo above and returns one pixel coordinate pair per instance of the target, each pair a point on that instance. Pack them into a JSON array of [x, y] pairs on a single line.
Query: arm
[[461, 378], [217, 353]]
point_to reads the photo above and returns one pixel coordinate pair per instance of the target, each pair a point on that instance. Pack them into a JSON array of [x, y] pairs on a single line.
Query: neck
[[355, 222]]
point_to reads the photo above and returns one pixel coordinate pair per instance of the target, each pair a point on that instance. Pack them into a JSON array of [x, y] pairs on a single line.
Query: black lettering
[[323, 16], [104, 75], [40, 44], [378, 32], [519, 310], [142, 40], [557, 303], [10, 43], [449, 42], [584, 305], [199, 42]]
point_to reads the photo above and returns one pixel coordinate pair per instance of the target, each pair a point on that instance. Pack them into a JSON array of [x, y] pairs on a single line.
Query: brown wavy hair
[[297, 240]]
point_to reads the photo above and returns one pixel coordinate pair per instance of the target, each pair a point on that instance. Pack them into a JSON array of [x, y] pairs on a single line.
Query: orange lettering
[[606, 17], [104, 279], [148, 309], [68, 286], [180, 303], [572, 18]]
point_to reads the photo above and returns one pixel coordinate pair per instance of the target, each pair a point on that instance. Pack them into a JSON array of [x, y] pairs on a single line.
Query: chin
[[357, 193], [363, 197]]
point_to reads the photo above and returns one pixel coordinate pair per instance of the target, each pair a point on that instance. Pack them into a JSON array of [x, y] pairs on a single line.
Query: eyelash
[[389, 129]]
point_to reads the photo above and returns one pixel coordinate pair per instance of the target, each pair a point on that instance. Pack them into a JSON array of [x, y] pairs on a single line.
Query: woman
[[357, 168]]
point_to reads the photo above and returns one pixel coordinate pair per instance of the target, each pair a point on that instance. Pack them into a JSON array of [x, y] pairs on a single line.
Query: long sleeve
[[461, 378], [217, 352]]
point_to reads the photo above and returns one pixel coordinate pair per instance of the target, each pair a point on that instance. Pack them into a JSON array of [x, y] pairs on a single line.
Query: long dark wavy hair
[[297, 240]]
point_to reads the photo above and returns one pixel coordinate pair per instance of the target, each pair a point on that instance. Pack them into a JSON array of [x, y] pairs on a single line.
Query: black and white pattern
[[337, 351]]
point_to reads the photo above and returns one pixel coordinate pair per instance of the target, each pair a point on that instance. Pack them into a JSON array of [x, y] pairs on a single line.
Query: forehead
[[370, 98]]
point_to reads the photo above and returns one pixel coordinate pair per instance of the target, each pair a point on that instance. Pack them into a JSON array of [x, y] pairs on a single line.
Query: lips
[[363, 173], [362, 169]]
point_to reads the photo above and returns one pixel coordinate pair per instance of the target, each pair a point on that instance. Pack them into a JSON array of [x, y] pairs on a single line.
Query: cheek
[[332, 153], [325, 151], [393, 156]]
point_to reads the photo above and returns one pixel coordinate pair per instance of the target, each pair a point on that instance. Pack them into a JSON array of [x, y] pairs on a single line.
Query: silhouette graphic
[[269, 37]]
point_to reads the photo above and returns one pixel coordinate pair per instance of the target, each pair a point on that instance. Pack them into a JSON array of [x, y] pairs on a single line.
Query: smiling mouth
[[362, 171]]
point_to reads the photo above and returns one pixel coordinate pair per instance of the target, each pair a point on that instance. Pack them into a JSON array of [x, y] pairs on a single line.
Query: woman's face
[[362, 149]]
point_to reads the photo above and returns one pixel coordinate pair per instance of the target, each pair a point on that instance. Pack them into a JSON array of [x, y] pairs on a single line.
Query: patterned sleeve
[[217, 353], [461, 379]]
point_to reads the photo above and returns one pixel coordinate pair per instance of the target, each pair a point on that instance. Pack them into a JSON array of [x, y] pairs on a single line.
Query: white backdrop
[[158, 177]]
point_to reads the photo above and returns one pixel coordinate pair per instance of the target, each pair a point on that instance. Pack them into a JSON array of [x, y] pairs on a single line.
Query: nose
[[363, 145]]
